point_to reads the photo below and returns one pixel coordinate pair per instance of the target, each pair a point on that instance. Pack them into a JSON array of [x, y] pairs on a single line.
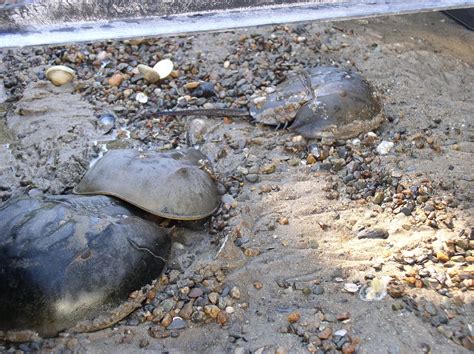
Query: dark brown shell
[[343, 104], [168, 184]]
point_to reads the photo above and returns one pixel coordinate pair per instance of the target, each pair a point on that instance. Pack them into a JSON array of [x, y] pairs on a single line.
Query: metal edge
[[213, 21]]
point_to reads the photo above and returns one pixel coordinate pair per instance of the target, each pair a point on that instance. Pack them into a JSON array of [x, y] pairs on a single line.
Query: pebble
[[167, 320], [212, 311], [343, 316], [222, 318], [384, 147], [252, 177], [340, 333], [317, 290], [376, 233], [395, 290], [325, 334], [268, 169], [294, 317], [235, 293], [115, 80], [141, 97], [348, 348], [257, 285], [378, 198], [442, 257], [213, 298], [351, 287], [178, 323], [187, 310], [468, 342], [195, 292]]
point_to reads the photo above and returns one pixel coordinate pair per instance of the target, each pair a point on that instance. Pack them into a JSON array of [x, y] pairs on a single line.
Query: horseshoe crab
[[65, 259], [172, 185], [315, 102]]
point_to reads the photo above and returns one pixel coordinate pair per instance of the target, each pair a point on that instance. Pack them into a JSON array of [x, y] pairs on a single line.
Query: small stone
[[141, 97], [378, 198], [192, 85], [351, 287], [212, 311], [445, 331], [115, 80], [340, 333], [251, 252], [222, 318], [395, 290], [397, 306], [187, 310], [166, 321], [312, 348], [468, 342], [252, 177], [151, 294], [198, 317], [158, 314], [325, 334], [294, 317], [343, 316], [268, 169], [384, 147], [311, 159], [257, 285], [178, 323], [230, 310], [431, 309], [442, 257], [168, 305], [457, 259], [317, 290], [235, 293], [376, 233], [283, 220], [213, 298], [195, 292], [348, 348]]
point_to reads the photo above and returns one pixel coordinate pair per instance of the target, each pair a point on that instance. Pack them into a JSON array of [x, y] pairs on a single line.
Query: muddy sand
[[283, 266]]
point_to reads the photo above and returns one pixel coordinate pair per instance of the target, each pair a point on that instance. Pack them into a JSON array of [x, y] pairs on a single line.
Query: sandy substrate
[[290, 222]]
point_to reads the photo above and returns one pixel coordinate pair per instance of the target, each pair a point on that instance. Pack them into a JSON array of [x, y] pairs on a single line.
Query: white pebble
[[384, 147], [141, 97], [341, 333], [351, 287]]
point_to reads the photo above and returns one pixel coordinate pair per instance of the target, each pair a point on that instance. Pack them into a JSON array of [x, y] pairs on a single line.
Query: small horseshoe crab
[[315, 102], [174, 185], [68, 259]]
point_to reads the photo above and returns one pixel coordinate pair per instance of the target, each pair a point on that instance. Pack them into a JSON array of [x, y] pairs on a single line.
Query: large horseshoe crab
[[66, 259], [315, 102], [322, 100], [173, 185]]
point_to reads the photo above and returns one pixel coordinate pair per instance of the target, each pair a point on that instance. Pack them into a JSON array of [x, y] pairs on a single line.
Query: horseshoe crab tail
[[213, 112]]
